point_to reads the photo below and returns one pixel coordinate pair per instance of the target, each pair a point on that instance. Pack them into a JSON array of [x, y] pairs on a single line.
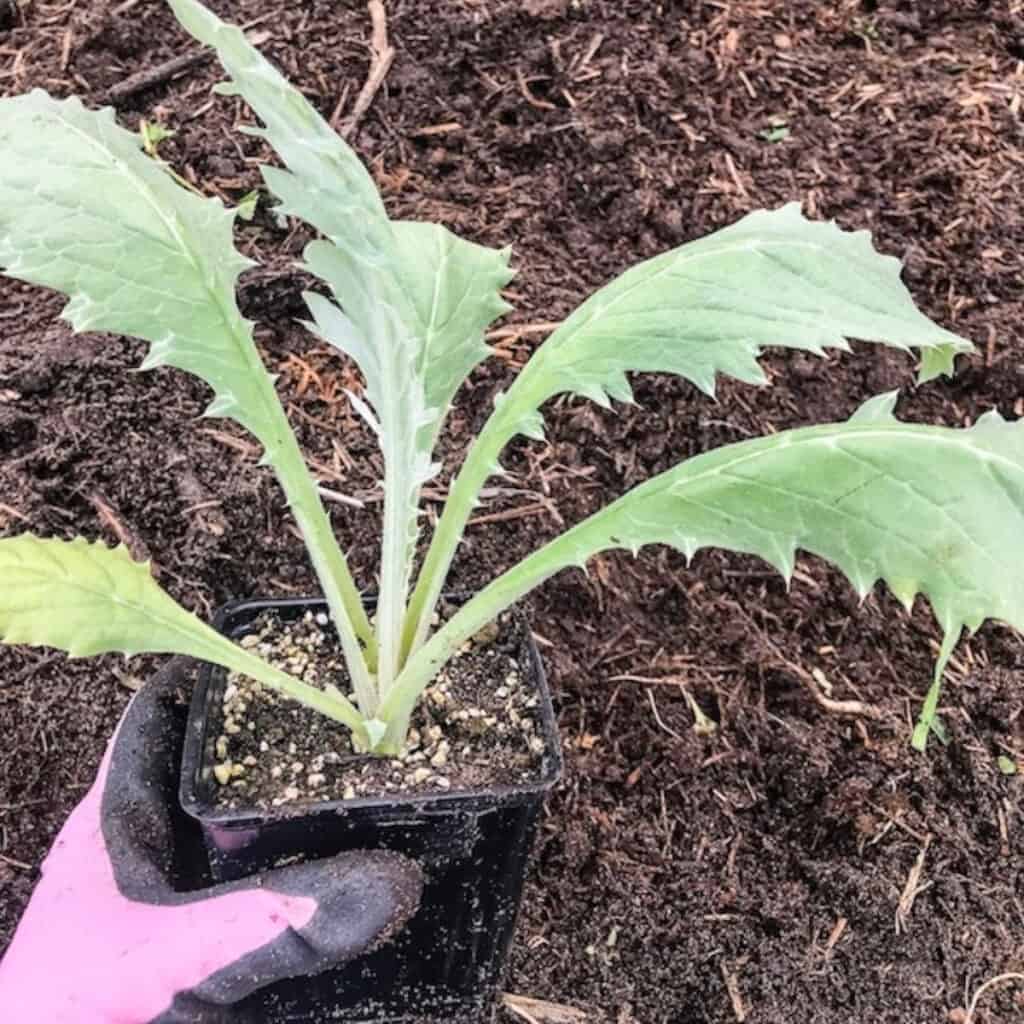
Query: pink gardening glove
[[107, 939]]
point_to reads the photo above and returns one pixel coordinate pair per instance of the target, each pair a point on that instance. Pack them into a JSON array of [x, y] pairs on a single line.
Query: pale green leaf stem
[[85, 598], [929, 510], [708, 307]]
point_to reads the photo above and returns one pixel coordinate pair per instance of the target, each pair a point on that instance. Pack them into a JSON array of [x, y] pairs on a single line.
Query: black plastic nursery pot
[[473, 846]]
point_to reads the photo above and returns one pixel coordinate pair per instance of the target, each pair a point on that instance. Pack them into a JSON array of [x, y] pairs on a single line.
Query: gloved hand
[[108, 938]]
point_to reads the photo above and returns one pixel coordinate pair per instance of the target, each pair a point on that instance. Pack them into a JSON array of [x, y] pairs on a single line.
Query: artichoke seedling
[[86, 211]]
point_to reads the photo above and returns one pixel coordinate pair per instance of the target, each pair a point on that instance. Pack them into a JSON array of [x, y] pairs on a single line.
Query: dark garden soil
[[792, 865]]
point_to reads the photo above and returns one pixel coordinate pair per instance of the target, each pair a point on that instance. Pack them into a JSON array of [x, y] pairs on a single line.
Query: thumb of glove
[[325, 913]]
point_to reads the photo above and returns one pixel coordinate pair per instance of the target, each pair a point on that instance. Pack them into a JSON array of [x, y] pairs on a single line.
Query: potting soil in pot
[[476, 726]]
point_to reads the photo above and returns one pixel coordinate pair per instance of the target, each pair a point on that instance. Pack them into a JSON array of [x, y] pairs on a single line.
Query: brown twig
[[157, 75], [65, 49], [382, 55], [848, 708], [125, 7], [912, 889], [835, 935], [537, 1011], [113, 522], [534, 509], [524, 89], [732, 986], [160, 73], [10, 510], [999, 980], [238, 444], [513, 332]]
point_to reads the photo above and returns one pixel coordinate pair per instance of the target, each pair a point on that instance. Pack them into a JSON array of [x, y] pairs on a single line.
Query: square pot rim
[[467, 801]]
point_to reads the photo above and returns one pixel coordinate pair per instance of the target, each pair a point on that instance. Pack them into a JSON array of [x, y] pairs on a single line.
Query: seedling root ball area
[[743, 833]]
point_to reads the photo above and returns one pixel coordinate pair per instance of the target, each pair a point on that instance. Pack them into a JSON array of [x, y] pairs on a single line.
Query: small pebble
[[440, 759], [322, 619], [350, 792], [222, 772], [250, 760], [420, 776], [237, 771], [221, 748], [249, 641], [487, 635], [291, 793], [315, 779]]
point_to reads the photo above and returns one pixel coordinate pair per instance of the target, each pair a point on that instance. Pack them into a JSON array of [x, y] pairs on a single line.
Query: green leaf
[[400, 420], [340, 189], [453, 287], [152, 134], [929, 510], [939, 361], [416, 332], [443, 291], [706, 308], [247, 204], [775, 133], [86, 599], [1007, 765], [711, 306], [85, 212]]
